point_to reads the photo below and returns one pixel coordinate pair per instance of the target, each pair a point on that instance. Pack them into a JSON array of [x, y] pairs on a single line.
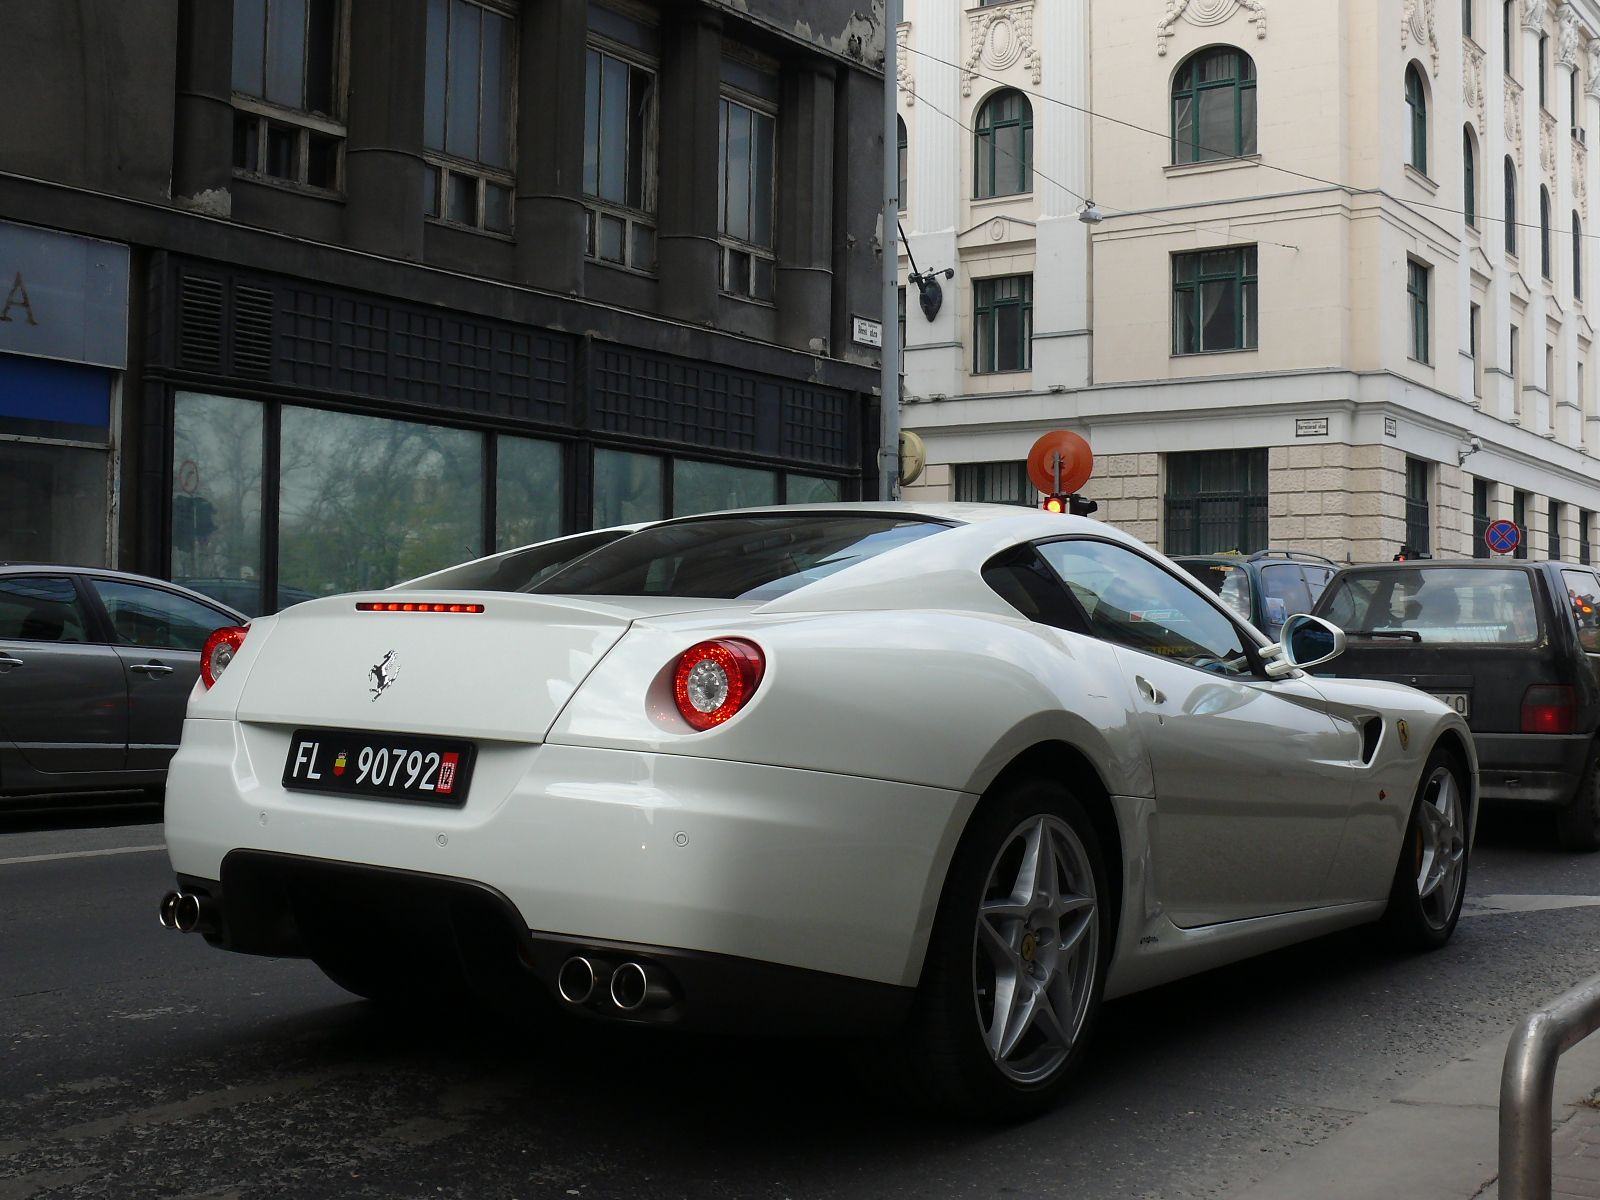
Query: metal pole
[[1527, 1084], [889, 388]]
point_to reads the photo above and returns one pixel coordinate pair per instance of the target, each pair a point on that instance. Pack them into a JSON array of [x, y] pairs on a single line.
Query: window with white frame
[[1002, 320], [288, 120], [619, 154], [746, 136], [469, 114]]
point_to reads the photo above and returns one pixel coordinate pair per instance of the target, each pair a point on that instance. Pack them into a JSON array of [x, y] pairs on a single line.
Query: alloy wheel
[[1036, 949], [1441, 849]]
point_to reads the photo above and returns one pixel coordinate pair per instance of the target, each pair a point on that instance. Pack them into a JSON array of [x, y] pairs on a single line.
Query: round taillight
[[218, 652], [715, 679]]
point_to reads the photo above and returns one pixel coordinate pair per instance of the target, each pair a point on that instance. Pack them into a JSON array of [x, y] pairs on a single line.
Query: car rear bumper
[[822, 873], [1524, 768]]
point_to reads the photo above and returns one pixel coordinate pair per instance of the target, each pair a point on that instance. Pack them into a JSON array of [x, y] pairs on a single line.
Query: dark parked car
[[1514, 647], [95, 672], [1265, 588]]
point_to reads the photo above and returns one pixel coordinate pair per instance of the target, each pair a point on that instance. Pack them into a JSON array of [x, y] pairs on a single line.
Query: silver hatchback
[[95, 672]]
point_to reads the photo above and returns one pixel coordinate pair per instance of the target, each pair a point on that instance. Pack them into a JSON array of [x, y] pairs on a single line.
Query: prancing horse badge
[[1404, 731]]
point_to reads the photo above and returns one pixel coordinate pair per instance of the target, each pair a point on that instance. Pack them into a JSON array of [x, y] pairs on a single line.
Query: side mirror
[[1306, 641]]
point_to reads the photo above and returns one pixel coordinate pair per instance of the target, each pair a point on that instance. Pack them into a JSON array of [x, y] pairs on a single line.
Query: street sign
[[1502, 537]]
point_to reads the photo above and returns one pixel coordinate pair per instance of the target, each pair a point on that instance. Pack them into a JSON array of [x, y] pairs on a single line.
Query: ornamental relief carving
[[1547, 144], [1580, 177], [904, 78], [1591, 51], [1567, 35], [1514, 117], [1533, 15], [1416, 25], [1206, 13], [1001, 38], [1472, 90]]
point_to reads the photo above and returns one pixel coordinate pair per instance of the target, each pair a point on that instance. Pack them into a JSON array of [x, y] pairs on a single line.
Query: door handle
[[7, 662], [1149, 690], [151, 669]]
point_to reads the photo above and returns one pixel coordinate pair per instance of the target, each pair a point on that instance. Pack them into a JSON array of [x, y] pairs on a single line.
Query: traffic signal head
[[1056, 503]]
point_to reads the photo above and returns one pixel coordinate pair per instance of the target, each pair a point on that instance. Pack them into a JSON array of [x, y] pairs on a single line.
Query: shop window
[[1216, 501], [746, 134], [1214, 301], [627, 488], [809, 489], [288, 123], [619, 163], [55, 503], [527, 491], [216, 499], [365, 502], [468, 114], [699, 487]]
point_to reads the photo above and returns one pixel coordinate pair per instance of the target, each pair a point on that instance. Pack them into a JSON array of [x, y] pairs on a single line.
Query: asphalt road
[[141, 1063]]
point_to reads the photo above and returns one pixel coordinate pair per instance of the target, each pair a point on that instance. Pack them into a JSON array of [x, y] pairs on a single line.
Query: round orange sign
[[1064, 449]]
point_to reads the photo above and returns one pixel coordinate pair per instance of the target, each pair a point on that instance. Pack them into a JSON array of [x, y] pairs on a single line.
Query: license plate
[[1460, 701], [393, 766]]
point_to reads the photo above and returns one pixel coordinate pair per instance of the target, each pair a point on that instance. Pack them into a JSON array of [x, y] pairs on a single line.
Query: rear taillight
[[715, 679], [218, 652], [1547, 708]]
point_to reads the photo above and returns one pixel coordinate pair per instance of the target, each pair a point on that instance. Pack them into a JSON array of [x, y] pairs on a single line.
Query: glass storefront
[[699, 487], [54, 501], [216, 498], [627, 488], [528, 489]]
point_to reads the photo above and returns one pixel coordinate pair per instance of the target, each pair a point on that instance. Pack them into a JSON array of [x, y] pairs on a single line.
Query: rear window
[[1226, 582], [753, 558], [1441, 605], [515, 572]]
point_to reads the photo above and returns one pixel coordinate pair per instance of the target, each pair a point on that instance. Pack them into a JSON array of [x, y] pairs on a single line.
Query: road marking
[[1483, 906], [33, 858]]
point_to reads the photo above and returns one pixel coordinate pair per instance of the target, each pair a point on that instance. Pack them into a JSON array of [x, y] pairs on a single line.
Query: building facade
[[308, 295], [1340, 290]]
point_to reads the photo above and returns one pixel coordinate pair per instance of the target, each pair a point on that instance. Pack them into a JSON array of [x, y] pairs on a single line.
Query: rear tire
[[1430, 880], [1017, 959], [1578, 824]]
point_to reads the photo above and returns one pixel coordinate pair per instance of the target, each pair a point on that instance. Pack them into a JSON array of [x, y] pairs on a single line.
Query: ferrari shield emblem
[[1404, 731]]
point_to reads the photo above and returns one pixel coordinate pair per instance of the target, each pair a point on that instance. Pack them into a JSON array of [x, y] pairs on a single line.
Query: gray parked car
[[95, 672]]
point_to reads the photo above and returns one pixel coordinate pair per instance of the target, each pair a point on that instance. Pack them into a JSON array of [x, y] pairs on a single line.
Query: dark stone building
[[305, 295]]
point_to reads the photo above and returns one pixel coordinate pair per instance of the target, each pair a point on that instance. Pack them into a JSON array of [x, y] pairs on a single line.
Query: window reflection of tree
[[366, 502], [222, 437]]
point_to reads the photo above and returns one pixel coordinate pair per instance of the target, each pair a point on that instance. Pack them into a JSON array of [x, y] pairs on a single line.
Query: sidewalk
[[1439, 1140]]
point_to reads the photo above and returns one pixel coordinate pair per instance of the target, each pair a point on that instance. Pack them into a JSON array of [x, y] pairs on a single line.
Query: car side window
[[1284, 593], [1583, 592], [41, 609], [1131, 601], [153, 617]]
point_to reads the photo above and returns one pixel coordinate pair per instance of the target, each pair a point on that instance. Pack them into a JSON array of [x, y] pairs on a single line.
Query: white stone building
[[1339, 299]]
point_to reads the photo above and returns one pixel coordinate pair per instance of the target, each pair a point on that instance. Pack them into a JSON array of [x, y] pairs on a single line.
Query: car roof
[[15, 567]]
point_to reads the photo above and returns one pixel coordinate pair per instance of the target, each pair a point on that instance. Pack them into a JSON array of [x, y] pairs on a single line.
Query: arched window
[[1417, 102], [1003, 146], [900, 134], [1544, 232], [1469, 178], [1214, 106], [1511, 206], [1577, 256]]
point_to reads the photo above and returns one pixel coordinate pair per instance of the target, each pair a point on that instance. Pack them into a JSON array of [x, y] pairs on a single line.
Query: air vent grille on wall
[[252, 331], [200, 323]]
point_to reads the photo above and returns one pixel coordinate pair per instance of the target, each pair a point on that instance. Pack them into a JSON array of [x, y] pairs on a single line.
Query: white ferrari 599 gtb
[[949, 773]]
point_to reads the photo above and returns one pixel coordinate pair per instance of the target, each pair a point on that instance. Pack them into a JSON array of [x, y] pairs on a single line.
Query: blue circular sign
[[1502, 536]]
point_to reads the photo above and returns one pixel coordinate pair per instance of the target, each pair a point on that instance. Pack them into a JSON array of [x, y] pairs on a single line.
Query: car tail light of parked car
[[218, 652], [716, 679], [1548, 709]]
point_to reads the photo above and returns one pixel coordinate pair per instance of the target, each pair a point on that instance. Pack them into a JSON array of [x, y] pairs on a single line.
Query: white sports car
[[952, 773]]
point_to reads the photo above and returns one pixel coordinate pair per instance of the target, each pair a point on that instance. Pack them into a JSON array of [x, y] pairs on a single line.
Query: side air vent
[[252, 331], [1371, 738], [200, 323]]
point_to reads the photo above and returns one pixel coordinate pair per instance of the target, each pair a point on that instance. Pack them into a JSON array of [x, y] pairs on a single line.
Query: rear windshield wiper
[[1410, 634]]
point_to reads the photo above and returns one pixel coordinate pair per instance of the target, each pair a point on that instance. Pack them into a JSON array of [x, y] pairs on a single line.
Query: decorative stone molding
[[1568, 24], [1533, 15], [1580, 177], [1416, 25], [1591, 51], [1472, 90], [905, 79], [1206, 13], [1514, 118], [1001, 38], [1547, 144]]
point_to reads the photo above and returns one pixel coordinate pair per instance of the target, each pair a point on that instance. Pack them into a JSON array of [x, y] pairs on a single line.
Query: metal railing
[[1527, 1085]]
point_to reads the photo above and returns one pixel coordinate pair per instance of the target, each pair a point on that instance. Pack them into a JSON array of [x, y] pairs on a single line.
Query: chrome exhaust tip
[[168, 910], [577, 980], [635, 986], [190, 911]]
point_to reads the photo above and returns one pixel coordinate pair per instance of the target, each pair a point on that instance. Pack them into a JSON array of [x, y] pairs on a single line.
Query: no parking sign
[[1502, 537]]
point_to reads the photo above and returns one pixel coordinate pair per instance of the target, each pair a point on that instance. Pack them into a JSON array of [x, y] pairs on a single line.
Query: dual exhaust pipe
[[187, 912], [630, 986]]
